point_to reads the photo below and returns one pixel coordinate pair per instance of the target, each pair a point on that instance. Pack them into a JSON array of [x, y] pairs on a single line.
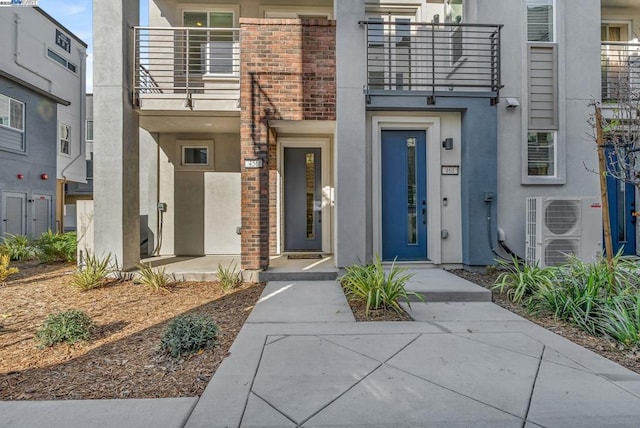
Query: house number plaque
[[450, 170], [253, 163]]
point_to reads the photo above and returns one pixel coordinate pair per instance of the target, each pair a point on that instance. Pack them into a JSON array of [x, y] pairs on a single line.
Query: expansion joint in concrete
[[533, 386]]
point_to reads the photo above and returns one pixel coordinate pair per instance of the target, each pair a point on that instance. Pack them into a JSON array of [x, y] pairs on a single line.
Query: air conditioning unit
[[559, 227]]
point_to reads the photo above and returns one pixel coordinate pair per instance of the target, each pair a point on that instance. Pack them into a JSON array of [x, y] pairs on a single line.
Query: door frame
[[49, 198], [327, 189], [431, 126]]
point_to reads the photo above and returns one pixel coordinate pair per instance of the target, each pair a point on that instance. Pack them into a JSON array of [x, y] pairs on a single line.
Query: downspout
[[16, 55]]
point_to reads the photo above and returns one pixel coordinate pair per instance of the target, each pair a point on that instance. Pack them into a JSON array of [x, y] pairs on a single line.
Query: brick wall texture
[[287, 72]]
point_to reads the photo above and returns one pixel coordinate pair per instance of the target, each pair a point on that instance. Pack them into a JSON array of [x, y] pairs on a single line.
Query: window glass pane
[[195, 19], [221, 20], [310, 185], [57, 58], [65, 139], [17, 115], [540, 20], [541, 154], [89, 136], [412, 192], [195, 156], [72, 67], [4, 110]]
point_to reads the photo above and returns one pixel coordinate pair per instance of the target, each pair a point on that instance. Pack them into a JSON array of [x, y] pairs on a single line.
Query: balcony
[[620, 71], [186, 68], [435, 60]]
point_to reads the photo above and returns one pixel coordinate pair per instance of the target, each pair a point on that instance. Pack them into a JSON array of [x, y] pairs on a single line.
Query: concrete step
[[298, 276], [437, 285]]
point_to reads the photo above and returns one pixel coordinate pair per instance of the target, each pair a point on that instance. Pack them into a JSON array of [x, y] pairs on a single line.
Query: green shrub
[[189, 333], [57, 247], [5, 270], [18, 247], [93, 273], [522, 280], [70, 327], [620, 319], [156, 278], [376, 288], [229, 277]]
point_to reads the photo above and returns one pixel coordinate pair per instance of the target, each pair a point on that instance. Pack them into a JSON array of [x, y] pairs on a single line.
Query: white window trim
[[559, 161], [431, 125], [554, 10], [620, 22], [23, 114], [60, 152], [182, 144]]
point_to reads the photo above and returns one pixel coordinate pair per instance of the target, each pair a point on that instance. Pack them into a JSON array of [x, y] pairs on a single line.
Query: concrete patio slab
[[472, 369], [458, 311], [514, 342], [282, 268], [261, 415], [301, 301], [438, 285], [565, 397], [392, 398], [380, 347], [309, 367], [168, 412]]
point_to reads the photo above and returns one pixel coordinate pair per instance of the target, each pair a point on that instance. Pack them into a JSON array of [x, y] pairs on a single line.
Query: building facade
[[414, 130], [42, 81]]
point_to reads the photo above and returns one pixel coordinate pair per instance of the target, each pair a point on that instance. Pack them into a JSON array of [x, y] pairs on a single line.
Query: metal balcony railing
[[184, 60], [620, 71], [442, 59]]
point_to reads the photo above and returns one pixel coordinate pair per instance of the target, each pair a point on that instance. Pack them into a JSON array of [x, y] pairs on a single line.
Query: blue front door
[[622, 202], [404, 195]]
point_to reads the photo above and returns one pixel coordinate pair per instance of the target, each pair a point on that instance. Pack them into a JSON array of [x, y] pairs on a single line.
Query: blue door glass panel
[[622, 201], [404, 195]]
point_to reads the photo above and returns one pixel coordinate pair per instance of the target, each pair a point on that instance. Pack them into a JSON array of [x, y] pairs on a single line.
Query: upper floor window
[[62, 61], [65, 139], [89, 131], [540, 21], [211, 50], [11, 113], [453, 11], [541, 154]]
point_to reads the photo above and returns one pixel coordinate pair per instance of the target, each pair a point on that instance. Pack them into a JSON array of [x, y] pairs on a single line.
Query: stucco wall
[[203, 207]]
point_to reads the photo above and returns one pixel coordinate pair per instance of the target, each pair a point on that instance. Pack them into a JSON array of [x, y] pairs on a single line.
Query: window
[[541, 154], [540, 20], [65, 139], [195, 155], [211, 50], [62, 61], [453, 11], [89, 130], [11, 113]]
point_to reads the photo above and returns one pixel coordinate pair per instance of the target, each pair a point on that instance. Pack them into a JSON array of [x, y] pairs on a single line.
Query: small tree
[[617, 131]]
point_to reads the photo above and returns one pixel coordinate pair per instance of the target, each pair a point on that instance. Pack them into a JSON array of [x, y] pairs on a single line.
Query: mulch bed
[[122, 360], [629, 358]]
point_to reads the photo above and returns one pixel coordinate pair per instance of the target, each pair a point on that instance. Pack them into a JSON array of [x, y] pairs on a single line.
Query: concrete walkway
[[301, 360]]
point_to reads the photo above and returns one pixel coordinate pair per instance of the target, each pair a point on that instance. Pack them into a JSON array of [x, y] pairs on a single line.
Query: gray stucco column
[[350, 151], [116, 154]]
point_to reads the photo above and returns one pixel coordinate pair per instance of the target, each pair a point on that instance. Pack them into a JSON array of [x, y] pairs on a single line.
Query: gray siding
[[11, 139], [543, 84]]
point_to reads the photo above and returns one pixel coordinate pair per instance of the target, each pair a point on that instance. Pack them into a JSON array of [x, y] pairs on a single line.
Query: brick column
[[287, 73]]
